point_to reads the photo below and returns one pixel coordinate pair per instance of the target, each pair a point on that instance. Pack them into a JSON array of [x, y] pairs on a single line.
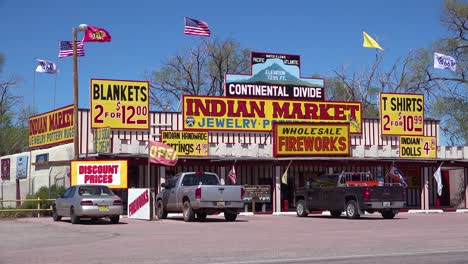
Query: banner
[[102, 140], [275, 76], [161, 153], [51, 128], [139, 203], [119, 104], [308, 139], [221, 113], [402, 114], [112, 173], [186, 143], [442, 61], [5, 169], [418, 147], [22, 167]]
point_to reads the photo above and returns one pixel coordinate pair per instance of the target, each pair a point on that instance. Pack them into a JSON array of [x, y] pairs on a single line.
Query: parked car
[[199, 194], [87, 201], [351, 192]]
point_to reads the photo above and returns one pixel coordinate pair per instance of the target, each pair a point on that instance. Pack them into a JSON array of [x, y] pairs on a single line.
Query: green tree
[[199, 71], [13, 119]]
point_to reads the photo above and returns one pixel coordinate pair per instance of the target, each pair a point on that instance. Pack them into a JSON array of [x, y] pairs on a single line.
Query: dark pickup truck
[[352, 192]]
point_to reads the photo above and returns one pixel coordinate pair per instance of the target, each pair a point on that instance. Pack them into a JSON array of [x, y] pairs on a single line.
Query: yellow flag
[[284, 178], [369, 42]]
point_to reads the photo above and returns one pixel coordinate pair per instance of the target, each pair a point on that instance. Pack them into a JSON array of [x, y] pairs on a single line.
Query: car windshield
[[199, 178], [95, 190]]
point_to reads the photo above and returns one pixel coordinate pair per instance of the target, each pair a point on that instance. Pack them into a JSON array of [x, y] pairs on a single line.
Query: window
[[95, 190], [196, 179]]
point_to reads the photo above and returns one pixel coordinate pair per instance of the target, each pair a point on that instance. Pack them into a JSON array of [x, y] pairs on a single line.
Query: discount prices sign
[[418, 147], [309, 139], [119, 104], [112, 173], [402, 114]]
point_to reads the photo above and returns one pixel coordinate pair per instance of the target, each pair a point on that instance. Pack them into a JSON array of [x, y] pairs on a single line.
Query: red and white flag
[[232, 175], [96, 34]]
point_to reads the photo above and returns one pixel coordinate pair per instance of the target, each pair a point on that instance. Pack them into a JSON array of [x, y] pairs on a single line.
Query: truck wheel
[[230, 216], [301, 209], [352, 210], [161, 212], [188, 213], [335, 213], [388, 214]]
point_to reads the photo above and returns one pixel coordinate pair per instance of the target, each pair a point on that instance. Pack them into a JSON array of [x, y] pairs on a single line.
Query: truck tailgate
[[387, 193], [221, 193]]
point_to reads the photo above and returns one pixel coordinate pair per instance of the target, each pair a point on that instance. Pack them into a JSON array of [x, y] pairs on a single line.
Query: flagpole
[[34, 91], [55, 88]]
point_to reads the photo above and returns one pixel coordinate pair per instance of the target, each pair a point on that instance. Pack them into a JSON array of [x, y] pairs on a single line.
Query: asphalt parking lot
[[409, 238]]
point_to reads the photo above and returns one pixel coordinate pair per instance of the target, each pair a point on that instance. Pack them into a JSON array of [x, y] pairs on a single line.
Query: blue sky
[[327, 35]]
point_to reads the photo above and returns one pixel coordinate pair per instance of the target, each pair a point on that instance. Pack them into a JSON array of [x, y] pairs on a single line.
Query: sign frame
[[100, 108]]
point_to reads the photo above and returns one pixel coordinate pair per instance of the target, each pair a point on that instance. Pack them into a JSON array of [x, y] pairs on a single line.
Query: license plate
[[220, 203], [103, 208], [386, 204]]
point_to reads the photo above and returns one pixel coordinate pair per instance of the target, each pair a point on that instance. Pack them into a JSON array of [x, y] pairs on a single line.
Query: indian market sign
[[309, 139], [119, 104], [51, 128], [186, 143], [275, 76], [112, 173], [402, 114], [227, 114], [418, 147], [102, 140]]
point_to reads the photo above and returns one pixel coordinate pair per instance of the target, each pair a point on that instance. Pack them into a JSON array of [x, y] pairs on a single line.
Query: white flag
[[438, 178], [46, 66], [442, 61]]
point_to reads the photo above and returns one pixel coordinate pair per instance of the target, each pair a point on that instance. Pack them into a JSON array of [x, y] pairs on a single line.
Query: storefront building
[[268, 124]]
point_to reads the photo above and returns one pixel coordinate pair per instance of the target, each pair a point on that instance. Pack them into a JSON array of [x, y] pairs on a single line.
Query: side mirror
[[163, 185]]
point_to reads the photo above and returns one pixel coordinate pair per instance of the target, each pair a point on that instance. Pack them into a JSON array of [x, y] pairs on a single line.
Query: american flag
[[66, 48], [232, 175], [196, 27]]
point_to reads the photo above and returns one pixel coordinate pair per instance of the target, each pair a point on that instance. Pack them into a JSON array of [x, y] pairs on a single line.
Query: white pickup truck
[[199, 194]]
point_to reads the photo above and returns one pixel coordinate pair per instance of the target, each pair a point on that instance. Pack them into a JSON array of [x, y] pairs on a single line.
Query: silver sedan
[[87, 201]]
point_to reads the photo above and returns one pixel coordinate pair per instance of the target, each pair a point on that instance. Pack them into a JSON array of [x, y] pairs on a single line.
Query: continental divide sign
[[275, 76], [51, 128], [243, 114]]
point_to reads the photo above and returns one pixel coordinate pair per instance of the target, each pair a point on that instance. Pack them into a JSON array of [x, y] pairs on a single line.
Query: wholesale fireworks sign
[[308, 139], [276, 76], [119, 104], [112, 173], [402, 114], [418, 147], [51, 128], [221, 113], [186, 143]]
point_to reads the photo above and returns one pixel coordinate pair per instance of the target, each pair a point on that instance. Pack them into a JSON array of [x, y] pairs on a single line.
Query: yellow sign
[[51, 128], [402, 114], [112, 173], [119, 104], [221, 113], [308, 139], [102, 140], [418, 147], [187, 143]]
